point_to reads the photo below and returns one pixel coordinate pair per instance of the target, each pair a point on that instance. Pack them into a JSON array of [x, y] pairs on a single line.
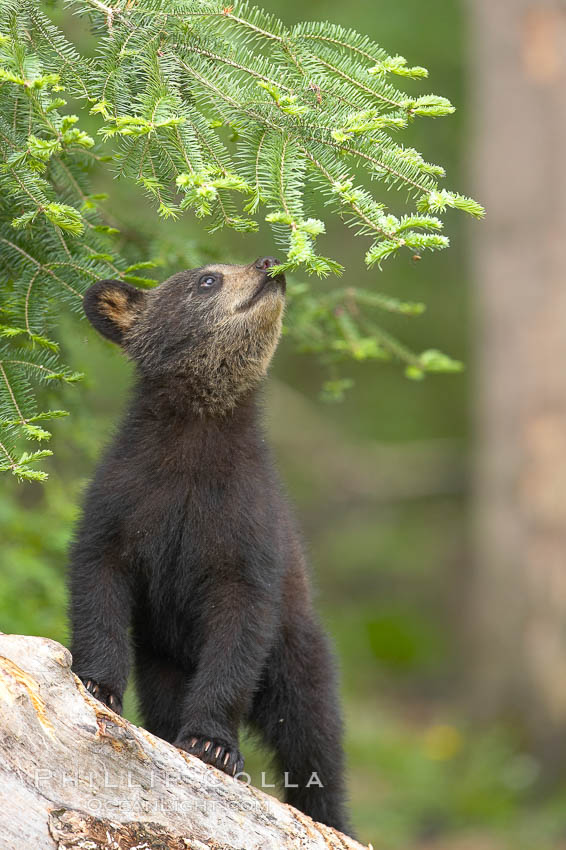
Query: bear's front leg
[[240, 630], [100, 616]]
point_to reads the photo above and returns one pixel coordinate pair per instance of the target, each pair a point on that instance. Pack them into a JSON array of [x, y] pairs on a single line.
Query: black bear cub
[[187, 548]]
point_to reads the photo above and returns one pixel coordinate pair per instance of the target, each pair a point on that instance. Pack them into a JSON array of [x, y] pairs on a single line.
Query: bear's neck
[[175, 439], [179, 399]]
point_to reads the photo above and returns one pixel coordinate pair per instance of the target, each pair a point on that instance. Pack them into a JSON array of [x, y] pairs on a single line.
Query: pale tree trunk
[[75, 775], [519, 150]]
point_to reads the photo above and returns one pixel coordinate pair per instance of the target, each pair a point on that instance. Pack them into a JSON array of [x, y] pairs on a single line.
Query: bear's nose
[[265, 263]]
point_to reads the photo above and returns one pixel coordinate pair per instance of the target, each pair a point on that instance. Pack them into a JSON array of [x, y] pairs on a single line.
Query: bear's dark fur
[[187, 548]]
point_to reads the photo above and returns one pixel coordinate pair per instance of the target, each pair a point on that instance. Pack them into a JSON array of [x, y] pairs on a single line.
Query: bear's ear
[[112, 307]]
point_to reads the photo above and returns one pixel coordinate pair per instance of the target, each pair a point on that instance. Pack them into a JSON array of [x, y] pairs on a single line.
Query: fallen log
[[75, 775]]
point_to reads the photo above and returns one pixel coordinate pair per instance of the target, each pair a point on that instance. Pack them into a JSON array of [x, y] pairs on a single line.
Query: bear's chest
[[192, 544], [189, 519]]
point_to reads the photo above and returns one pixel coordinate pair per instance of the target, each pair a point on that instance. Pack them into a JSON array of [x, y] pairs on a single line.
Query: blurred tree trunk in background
[[519, 598]]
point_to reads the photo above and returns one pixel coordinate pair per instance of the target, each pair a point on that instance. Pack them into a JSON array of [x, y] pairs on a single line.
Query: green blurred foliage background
[[381, 485]]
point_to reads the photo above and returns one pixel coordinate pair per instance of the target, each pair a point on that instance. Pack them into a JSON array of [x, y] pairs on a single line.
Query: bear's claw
[[103, 695], [221, 754]]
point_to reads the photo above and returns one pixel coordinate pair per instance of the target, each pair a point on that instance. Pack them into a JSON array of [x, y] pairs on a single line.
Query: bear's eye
[[207, 281]]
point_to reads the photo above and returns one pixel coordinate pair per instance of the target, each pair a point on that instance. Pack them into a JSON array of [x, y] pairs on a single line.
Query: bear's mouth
[[267, 284]]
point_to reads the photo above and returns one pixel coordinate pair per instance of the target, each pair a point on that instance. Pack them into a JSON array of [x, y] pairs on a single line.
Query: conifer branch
[[306, 107]]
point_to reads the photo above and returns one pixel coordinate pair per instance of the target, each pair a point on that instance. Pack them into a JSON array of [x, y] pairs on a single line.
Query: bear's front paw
[[222, 754], [103, 694]]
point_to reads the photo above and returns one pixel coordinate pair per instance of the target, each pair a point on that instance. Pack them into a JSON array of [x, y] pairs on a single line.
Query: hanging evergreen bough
[[220, 110]]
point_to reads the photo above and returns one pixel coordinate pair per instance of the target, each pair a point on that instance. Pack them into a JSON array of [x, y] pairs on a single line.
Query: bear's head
[[207, 334]]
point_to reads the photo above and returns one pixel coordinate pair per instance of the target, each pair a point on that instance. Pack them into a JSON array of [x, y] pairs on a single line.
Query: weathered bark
[[519, 72], [75, 775]]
